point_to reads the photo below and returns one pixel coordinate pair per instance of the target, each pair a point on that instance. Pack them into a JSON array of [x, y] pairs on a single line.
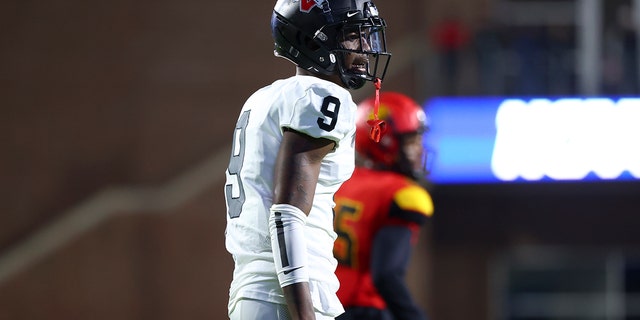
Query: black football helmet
[[318, 35]]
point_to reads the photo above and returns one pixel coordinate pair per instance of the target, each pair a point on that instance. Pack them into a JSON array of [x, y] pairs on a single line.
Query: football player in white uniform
[[292, 149]]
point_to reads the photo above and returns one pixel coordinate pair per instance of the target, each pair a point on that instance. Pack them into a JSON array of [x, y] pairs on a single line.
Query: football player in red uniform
[[379, 211]]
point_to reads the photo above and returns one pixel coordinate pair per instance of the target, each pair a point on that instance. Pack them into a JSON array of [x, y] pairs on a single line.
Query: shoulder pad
[[414, 198]]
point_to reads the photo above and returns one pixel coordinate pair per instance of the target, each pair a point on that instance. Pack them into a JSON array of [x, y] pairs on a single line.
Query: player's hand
[[299, 302]]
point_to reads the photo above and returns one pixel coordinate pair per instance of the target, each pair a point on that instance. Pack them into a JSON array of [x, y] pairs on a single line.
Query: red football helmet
[[403, 116]]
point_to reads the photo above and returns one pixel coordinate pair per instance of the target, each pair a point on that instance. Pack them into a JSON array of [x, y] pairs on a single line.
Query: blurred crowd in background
[[531, 48]]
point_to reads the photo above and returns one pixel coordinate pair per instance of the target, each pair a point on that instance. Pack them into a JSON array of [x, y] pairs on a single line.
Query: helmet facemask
[[361, 52], [412, 156]]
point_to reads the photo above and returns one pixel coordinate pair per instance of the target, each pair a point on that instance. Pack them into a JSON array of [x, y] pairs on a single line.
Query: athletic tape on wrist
[[288, 242]]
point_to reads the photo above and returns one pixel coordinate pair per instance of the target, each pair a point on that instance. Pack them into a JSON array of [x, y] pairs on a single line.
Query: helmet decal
[[307, 5]]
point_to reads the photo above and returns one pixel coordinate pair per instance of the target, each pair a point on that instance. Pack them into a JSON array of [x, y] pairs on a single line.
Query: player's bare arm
[[296, 175], [297, 169]]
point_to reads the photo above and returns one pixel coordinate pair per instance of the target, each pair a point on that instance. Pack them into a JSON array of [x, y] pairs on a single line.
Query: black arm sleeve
[[390, 256]]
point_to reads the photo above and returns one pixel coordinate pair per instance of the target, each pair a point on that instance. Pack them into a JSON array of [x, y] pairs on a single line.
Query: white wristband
[[288, 243]]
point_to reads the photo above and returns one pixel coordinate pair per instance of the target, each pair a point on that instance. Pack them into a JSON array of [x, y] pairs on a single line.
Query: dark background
[[116, 119]]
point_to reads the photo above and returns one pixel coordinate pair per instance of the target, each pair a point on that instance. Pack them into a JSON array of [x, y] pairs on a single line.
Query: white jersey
[[319, 109]]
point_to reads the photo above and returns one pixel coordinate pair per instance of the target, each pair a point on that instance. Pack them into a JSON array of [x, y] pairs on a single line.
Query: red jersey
[[366, 202]]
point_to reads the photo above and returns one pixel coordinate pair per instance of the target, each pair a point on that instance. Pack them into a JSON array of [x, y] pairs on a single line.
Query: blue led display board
[[502, 140]]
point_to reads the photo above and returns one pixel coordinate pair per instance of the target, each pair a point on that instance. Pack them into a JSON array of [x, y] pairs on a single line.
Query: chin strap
[[378, 127]]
